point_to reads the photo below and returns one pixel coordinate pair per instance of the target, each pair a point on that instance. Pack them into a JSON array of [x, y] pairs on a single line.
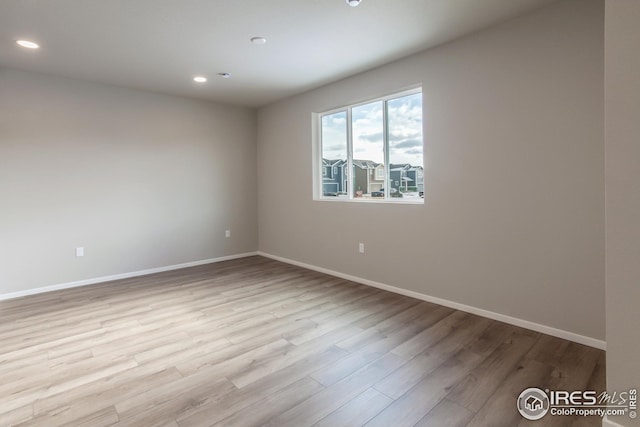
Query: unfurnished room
[[319, 213]]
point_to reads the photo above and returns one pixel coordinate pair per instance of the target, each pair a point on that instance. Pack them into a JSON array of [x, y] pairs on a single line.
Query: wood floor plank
[[423, 313], [103, 418], [18, 415], [64, 408], [331, 398], [434, 353], [358, 411], [32, 388], [388, 308], [232, 359], [572, 371], [413, 405], [474, 390], [372, 351], [364, 338], [278, 361], [597, 381], [253, 341], [163, 403], [239, 400], [446, 414], [500, 409], [95, 418], [444, 328], [274, 404]]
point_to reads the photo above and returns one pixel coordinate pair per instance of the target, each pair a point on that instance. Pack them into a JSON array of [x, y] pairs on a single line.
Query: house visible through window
[[381, 143]]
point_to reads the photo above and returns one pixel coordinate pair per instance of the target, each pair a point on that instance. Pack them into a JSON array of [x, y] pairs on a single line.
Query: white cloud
[[405, 131]]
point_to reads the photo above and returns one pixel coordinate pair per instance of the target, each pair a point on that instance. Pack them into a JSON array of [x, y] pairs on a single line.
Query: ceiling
[[160, 45]]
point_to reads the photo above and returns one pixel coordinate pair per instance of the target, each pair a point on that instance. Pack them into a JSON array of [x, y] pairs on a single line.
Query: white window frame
[[317, 126]]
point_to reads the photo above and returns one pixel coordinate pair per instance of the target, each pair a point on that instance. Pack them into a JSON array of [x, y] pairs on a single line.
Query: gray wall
[[140, 180], [622, 146], [513, 220]]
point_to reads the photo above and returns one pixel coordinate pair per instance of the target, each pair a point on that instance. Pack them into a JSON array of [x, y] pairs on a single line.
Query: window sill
[[407, 201]]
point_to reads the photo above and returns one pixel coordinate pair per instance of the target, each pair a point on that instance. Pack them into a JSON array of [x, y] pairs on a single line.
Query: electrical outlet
[[361, 248], [227, 233], [79, 251]]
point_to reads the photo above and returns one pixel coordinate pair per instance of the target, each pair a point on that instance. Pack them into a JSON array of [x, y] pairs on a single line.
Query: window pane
[[382, 141], [334, 154], [405, 146], [368, 150]]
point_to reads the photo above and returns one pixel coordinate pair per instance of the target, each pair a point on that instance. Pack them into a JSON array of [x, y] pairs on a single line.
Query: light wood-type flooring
[[254, 342]]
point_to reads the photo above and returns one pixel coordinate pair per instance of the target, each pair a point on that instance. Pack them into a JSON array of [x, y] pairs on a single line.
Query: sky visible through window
[[405, 132], [334, 136], [368, 142]]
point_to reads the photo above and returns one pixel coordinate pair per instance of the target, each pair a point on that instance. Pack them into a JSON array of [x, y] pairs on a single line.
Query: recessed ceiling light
[[28, 44], [353, 3], [224, 75], [258, 40], [199, 79]]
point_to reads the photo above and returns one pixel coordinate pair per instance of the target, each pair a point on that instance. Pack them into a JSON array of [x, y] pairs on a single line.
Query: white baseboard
[[608, 423], [581, 339], [120, 276]]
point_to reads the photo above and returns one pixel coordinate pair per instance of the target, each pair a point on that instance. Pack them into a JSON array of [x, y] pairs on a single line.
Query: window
[[380, 142]]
